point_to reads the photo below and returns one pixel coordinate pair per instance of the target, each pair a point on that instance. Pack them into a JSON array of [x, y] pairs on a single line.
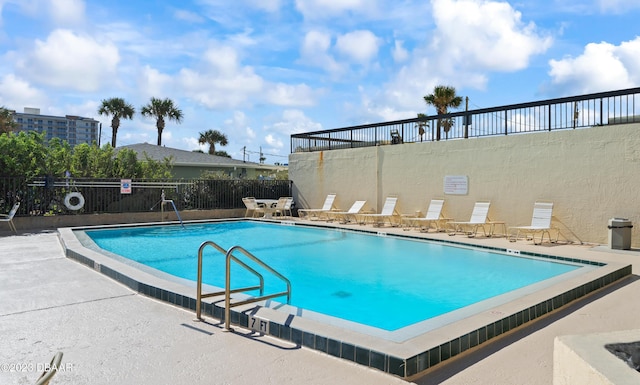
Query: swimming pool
[[340, 273], [403, 352]]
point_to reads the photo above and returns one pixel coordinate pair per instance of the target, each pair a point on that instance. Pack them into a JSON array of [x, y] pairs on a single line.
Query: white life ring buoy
[[70, 196]]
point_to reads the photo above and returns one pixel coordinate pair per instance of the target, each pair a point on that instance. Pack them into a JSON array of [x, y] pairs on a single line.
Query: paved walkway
[[111, 335]]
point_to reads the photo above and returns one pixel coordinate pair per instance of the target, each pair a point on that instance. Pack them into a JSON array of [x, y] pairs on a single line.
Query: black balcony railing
[[47, 196], [598, 109]]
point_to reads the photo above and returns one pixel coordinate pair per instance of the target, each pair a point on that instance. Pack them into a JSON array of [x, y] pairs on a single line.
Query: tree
[[28, 155], [7, 123], [222, 153], [161, 109], [212, 137], [442, 98], [422, 125], [22, 154], [119, 109]]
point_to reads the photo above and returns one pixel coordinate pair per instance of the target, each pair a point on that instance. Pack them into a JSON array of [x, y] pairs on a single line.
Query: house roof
[[189, 158]]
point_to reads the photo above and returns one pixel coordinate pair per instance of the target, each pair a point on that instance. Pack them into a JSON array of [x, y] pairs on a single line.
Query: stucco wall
[[590, 174]]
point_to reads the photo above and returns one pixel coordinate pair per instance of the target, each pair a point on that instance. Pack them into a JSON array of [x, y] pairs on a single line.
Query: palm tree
[[7, 124], [422, 125], [442, 98], [211, 137], [119, 109], [161, 109]]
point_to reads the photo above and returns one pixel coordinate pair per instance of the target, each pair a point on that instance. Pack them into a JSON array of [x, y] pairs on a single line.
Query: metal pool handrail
[[227, 303], [200, 296]]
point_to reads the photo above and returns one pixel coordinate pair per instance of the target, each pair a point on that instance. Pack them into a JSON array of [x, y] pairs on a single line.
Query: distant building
[[73, 129]]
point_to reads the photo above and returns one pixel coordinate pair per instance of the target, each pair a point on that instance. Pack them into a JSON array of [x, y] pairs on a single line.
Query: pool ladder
[[163, 201], [230, 257]]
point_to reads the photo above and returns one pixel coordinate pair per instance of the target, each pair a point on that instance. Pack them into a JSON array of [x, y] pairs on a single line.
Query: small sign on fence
[[125, 186]]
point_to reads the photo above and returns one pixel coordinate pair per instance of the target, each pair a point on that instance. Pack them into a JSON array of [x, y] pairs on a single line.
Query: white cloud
[[88, 108], [290, 95], [315, 51], [390, 104], [65, 12], [400, 54], [239, 131], [312, 9], [617, 6], [188, 16], [294, 121], [361, 46], [152, 82], [471, 38], [266, 5], [70, 60], [192, 143], [16, 93], [274, 142], [600, 67], [223, 82], [484, 35]]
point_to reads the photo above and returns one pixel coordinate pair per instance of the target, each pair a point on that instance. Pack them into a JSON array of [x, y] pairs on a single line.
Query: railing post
[[506, 122], [466, 126]]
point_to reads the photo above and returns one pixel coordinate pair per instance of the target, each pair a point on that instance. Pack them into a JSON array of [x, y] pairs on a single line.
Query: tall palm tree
[[211, 137], [442, 98], [118, 108], [7, 123], [161, 109]]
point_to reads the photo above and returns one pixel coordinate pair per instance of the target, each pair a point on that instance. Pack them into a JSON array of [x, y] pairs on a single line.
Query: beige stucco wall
[[590, 174]]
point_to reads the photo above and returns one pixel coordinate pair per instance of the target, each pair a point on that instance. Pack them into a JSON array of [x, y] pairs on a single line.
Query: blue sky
[[261, 70]]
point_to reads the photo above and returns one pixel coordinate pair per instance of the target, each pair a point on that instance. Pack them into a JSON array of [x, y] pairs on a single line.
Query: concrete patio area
[[110, 334]]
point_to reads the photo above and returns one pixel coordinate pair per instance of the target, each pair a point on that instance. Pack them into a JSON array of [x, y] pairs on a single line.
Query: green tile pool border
[[402, 367]]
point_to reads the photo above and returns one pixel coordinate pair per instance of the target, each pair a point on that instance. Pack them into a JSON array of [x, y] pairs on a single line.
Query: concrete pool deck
[[110, 334]]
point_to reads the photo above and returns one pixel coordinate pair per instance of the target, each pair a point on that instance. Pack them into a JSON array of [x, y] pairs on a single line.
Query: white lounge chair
[[388, 213], [51, 370], [433, 217], [9, 217], [326, 207], [283, 207], [479, 219], [349, 215], [540, 223], [253, 209]]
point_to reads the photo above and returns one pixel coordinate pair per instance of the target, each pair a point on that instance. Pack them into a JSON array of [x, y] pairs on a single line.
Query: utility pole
[[262, 158], [244, 154]]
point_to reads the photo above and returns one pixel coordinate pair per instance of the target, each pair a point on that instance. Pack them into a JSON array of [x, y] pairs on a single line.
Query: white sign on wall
[[456, 184]]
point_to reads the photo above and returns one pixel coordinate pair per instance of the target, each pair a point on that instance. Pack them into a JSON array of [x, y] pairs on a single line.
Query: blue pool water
[[380, 281]]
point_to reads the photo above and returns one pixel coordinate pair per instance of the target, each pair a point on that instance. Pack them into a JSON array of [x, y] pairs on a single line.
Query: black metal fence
[[598, 109], [52, 196]]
